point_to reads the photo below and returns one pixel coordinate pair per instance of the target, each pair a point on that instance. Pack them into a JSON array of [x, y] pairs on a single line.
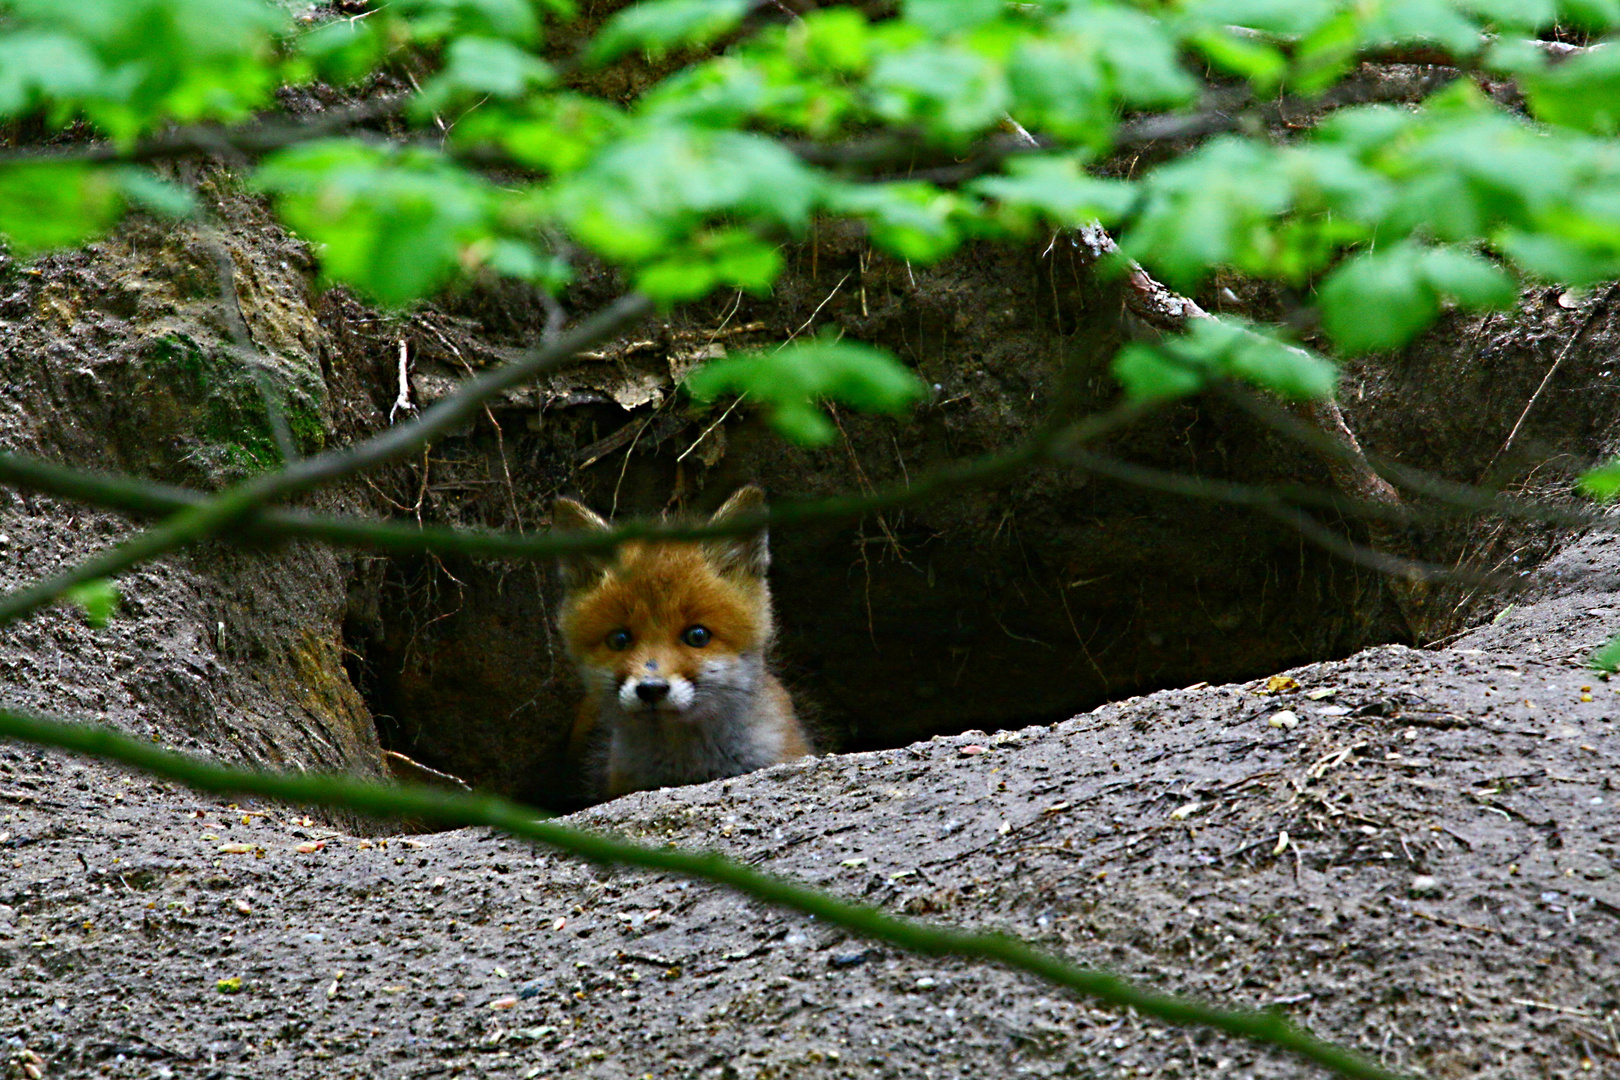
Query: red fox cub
[[671, 640]]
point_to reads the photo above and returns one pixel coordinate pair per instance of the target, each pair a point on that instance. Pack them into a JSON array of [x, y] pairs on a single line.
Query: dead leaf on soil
[[1279, 684]]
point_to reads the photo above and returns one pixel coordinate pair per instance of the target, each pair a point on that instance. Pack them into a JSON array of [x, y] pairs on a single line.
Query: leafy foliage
[[1222, 348], [794, 378], [1390, 215], [1601, 483], [99, 600], [1607, 657]]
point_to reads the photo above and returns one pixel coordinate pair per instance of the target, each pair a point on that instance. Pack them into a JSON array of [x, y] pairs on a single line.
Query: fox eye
[[619, 640], [696, 636]]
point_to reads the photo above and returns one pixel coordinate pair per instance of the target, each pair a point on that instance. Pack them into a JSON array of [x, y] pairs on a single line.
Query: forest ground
[[1446, 897]]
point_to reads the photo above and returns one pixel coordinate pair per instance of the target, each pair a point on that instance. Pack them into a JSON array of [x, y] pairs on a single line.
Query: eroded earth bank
[[1446, 898]]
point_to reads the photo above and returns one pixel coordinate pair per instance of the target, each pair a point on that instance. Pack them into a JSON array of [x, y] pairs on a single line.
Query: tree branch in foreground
[[454, 809], [235, 504], [272, 525]]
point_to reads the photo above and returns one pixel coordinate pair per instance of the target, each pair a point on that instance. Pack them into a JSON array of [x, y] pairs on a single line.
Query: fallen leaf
[[1280, 684]]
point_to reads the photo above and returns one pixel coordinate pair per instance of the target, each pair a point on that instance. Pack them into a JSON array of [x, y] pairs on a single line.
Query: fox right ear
[[749, 553], [581, 568]]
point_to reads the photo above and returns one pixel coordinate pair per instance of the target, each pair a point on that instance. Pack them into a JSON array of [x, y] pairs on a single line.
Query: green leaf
[[1606, 658], [479, 66], [1150, 375], [434, 20], [1285, 18], [1223, 348], [1396, 22], [98, 598], [1261, 64], [941, 17], [47, 205], [951, 91], [1381, 299], [793, 378], [41, 67], [150, 192], [1136, 49], [1601, 483], [1216, 206], [1325, 55], [515, 259], [1558, 258], [1592, 15], [1243, 352], [555, 133], [1226, 348], [1525, 16], [1473, 281], [1583, 92], [646, 192], [1064, 88], [657, 26], [393, 224], [833, 39], [732, 257], [1055, 189], [910, 220], [1377, 301], [138, 64]]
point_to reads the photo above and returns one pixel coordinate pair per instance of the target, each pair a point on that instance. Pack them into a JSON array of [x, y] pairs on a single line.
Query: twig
[[453, 809], [257, 137], [1580, 335]]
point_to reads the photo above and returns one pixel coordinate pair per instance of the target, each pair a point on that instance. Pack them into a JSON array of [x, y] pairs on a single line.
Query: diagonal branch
[[236, 504]]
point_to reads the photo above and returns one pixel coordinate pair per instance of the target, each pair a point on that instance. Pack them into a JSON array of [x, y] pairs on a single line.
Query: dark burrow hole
[[888, 633]]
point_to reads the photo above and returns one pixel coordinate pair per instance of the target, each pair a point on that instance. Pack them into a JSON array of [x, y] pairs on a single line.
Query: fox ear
[[748, 553], [581, 568]]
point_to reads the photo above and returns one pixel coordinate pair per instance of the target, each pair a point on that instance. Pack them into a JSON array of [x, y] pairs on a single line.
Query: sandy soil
[[1447, 897]]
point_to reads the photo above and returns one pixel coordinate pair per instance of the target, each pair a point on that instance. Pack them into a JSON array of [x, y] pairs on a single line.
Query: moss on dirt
[[212, 402]]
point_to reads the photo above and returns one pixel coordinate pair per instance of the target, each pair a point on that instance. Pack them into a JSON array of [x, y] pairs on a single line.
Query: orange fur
[[668, 707]]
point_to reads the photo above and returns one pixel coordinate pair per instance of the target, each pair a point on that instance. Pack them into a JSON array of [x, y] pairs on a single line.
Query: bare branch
[[211, 140]]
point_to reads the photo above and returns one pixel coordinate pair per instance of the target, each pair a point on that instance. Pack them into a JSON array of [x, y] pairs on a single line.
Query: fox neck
[[722, 733]]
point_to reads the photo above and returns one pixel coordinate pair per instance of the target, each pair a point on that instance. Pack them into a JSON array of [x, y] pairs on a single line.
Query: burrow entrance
[[987, 608]]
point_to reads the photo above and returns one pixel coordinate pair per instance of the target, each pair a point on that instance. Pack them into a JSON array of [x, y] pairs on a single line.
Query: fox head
[[668, 630]]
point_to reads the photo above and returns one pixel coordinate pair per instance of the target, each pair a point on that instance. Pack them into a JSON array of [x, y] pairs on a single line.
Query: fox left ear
[[582, 568], [748, 553]]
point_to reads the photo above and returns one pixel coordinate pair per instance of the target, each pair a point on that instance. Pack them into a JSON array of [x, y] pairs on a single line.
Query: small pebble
[[1424, 885], [1285, 719]]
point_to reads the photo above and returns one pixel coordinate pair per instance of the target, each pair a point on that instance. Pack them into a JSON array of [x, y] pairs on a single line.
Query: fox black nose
[[652, 691]]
